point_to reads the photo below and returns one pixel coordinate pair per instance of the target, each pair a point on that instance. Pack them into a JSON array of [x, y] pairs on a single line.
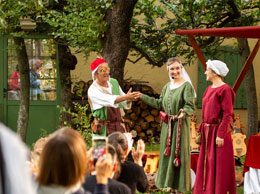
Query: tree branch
[[147, 57], [134, 62], [231, 17]]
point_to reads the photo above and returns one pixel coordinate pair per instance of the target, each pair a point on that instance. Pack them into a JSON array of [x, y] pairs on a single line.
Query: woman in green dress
[[177, 100]]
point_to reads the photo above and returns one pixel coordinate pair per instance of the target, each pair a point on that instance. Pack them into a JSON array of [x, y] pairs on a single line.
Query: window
[[42, 61]]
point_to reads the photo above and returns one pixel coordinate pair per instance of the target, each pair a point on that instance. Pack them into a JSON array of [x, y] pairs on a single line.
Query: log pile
[[141, 118]]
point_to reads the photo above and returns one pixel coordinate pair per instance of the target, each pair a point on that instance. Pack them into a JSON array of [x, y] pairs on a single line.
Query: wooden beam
[[246, 66], [198, 51]]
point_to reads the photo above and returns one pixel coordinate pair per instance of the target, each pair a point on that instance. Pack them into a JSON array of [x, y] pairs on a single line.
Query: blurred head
[[35, 64], [174, 67], [120, 143], [112, 152], [36, 153], [64, 159]]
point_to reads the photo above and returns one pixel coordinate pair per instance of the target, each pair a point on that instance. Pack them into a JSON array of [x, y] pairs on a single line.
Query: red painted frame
[[237, 32]]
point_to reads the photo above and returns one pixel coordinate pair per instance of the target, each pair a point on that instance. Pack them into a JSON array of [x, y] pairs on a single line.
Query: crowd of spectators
[[62, 164]]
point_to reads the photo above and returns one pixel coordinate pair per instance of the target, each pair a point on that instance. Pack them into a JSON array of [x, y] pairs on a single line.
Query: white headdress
[[218, 67], [184, 75]]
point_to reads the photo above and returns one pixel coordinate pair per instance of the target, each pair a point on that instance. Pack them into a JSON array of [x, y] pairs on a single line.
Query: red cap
[[96, 63]]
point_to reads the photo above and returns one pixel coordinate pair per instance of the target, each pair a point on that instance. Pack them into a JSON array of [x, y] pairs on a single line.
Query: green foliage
[[77, 23], [11, 11], [152, 147], [80, 120], [80, 23], [44, 133], [154, 23]]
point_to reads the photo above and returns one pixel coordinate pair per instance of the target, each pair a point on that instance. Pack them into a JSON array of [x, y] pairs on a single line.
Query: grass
[[152, 147]]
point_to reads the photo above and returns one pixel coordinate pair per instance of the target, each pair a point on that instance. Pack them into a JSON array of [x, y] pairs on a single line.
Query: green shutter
[[233, 61], [202, 85]]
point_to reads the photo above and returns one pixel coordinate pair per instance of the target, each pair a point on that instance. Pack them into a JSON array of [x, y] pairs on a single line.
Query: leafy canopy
[[154, 23]]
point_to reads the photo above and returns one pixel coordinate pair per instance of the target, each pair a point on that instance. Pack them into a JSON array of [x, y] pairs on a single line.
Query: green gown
[[181, 98]]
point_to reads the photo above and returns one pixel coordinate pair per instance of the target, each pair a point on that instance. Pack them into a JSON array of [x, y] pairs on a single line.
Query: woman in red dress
[[216, 165]]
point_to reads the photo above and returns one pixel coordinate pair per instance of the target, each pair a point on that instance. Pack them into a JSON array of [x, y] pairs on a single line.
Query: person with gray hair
[[216, 170], [35, 90]]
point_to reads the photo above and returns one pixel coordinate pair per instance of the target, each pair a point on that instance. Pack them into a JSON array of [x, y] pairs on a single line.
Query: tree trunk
[[250, 89], [117, 36], [23, 64], [67, 62]]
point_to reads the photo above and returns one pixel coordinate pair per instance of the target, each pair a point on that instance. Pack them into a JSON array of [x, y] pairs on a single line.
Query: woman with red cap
[[107, 99], [216, 166]]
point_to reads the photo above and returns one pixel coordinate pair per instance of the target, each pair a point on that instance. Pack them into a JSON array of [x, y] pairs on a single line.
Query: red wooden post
[[246, 66], [198, 51]]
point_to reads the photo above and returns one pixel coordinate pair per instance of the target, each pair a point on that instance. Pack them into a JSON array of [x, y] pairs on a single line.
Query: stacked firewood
[[142, 119]]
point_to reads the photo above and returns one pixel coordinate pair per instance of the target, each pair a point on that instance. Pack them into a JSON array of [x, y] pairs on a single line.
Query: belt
[[178, 139], [210, 125], [205, 153], [111, 122]]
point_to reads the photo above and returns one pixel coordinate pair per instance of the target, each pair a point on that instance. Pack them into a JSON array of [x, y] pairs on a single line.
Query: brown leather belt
[[110, 122]]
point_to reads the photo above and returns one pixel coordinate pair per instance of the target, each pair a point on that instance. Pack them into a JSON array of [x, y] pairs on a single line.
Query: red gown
[[216, 165]]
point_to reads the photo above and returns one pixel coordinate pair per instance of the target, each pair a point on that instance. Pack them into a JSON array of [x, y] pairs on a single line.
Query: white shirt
[[102, 96]]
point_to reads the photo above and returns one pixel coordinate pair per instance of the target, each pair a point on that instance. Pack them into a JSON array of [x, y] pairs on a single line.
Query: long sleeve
[[34, 82], [142, 182], [188, 100], [154, 102], [227, 97], [125, 105], [100, 99]]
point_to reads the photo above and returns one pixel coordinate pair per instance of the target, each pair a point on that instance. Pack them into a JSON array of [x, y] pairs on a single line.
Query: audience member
[[114, 186], [36, 153], [63, 165], [132, 174], [14, 172]]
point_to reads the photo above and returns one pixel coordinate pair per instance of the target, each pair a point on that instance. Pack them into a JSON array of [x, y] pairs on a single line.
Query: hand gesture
[[91, 166], [132, 96], [138, 154], [130, 141], [104, 169]]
